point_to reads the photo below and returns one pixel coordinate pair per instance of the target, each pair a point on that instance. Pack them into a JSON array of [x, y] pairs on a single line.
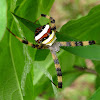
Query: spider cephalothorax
[[46, 39]]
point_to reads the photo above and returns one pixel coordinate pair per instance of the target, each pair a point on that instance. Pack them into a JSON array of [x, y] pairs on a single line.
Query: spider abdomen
[[45, 35]]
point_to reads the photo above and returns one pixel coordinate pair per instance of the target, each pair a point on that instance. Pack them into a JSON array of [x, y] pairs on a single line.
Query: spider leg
[[52, 21], [37, 19], [58, 69], [79, 43], [29, 43]]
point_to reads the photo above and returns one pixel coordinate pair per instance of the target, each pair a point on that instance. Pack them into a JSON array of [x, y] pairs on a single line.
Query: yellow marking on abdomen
[[51, 40]]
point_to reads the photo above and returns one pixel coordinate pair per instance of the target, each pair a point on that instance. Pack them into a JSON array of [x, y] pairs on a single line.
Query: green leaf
[[27, 23], [43, 6], [97, 83], [96, 95], [86, 51], [97, 68], [16, 59], [85, 28], [3, 17]]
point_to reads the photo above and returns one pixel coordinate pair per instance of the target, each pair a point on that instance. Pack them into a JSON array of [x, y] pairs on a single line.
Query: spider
[[46, 39]]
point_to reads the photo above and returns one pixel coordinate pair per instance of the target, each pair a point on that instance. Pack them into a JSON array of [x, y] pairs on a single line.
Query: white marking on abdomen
[[42, 33]]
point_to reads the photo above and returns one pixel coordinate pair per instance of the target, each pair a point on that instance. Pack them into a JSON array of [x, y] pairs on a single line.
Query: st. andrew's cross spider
[[46, 39]]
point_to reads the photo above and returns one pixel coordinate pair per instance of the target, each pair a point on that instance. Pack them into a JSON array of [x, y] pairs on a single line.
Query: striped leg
[[79, 43], [37, 19], [52, 21], [58, 69], [28, 43]]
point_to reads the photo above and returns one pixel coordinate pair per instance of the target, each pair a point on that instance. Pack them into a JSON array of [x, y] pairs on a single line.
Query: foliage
[[3, 19], [26, 72]]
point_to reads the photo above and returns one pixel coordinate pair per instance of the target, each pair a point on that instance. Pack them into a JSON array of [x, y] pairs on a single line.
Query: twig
[[86, 70]]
